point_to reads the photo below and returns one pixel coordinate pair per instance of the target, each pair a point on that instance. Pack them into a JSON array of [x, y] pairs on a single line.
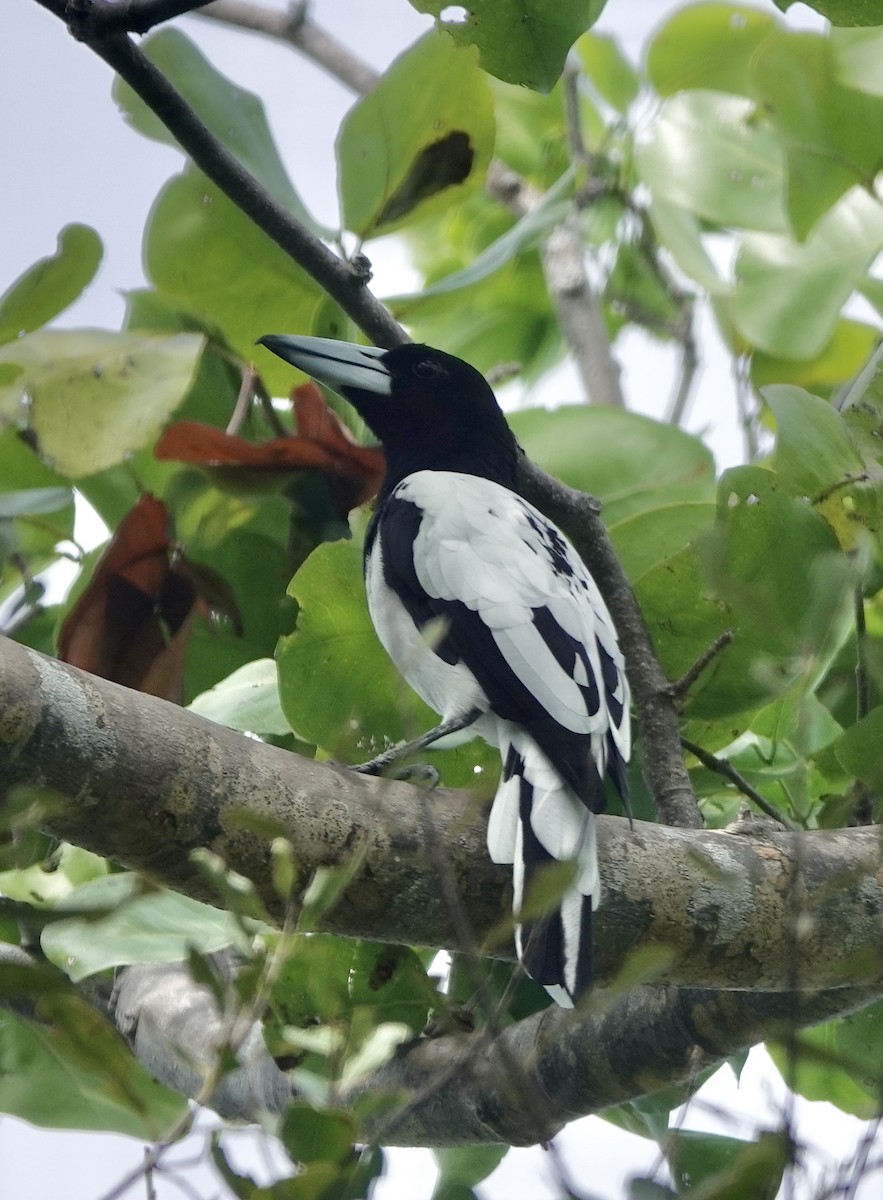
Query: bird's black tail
[[537, 820]]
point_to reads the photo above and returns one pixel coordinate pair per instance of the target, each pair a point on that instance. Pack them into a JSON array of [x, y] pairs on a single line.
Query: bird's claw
[[419, 773]]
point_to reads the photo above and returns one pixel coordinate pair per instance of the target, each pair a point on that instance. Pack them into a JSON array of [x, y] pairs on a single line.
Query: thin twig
[[681, 686], [862, 678], [722, 767], [296, 28], [243, 400]]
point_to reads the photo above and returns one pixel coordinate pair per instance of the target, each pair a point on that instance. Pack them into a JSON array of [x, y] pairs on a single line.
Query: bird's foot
[[419, 773]]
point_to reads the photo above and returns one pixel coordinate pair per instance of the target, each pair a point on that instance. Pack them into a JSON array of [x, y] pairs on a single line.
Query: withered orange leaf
[[132, 622], [322, 443]]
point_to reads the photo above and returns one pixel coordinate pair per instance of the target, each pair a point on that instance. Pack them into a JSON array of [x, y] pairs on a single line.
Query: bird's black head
[[430, 410]]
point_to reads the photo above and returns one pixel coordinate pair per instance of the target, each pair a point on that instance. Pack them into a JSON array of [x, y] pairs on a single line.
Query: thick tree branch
[[146, 783], [460, 1089], [623, 1048]]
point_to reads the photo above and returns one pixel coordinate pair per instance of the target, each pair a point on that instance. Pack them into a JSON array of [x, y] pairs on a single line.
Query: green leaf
[[813, 449], [611, 73], [858, 58], [52, 284], [707, 152], [235, 116], [631, 463], [520, 41], [840, 1062], [830, 132], [680, 232], [841, 12], [419, 141], [202, 251], [842, 357], [46, 884], [707, 46], [94, 396], [789, 294], [78, 1074], [247, 700], [29, 489], [311, 1135], [856, 753], [524, 234], [710, 1166], [132, 926], [646, 538], [464, 1167]]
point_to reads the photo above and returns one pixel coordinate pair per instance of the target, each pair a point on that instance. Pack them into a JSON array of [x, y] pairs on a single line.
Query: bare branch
[[459, 1089], [681, 686], [624, 1047], [146, 783], [571, 293], [721, 766], [301, 32]]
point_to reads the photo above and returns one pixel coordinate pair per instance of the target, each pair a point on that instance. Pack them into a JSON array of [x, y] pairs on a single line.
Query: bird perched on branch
[[493, 619]]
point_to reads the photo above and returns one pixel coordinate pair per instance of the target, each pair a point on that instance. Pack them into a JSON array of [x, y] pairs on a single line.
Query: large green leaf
[[520, 41], [419, 141], [840, 1062], [247, 700], [52, 284], [201, 250], [726, 1168], [655, 534], [813, 449], [79, 1074], [839, 360], [93, 396], [855, 754], [707, 46], [611, 73], [831, 133], [841, 12], [858, 58], [708, 152], [461, 1167], [680, 232], [235, 116], [789, 294], [137, 926], [630, 462]]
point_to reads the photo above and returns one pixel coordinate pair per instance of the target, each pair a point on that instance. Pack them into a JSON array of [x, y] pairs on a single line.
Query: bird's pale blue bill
[[338, 365]]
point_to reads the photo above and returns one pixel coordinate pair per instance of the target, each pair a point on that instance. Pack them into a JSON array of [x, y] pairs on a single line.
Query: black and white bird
[[493, 619]]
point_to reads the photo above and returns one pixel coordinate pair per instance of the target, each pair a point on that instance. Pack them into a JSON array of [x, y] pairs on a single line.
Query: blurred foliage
[[736, 168]]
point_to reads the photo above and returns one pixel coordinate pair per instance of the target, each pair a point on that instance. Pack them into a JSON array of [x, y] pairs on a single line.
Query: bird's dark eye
[[427, 369]]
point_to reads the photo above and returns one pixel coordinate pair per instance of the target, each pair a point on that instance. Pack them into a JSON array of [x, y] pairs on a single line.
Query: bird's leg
[[376, 766]]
